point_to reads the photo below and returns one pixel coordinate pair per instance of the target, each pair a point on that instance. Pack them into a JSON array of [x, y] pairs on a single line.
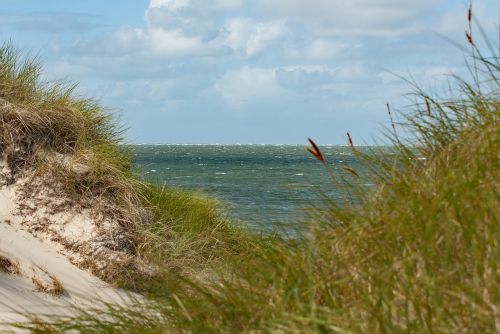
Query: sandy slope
[[38, 263]]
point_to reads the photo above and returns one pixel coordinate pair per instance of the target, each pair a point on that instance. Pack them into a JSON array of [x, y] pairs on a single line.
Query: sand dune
[[36, 275]]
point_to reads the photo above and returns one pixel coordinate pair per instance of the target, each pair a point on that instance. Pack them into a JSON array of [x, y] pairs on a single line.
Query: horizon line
[[241, 144]]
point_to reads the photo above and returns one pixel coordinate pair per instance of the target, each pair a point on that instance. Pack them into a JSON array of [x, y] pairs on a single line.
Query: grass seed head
[[350, 170], [469, 38], [315, 151], [351, 143], [427, 106]]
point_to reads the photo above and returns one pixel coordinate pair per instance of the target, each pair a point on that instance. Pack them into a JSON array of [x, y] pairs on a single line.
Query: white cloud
[[193, 19], [173, 43], [249, 85], [128, 42], [353, 72], [177, 4], [126, 36], [322, 49], [301, 78], [248, 38], [353, 17], [174, 4], [183, 28], [174, 29]]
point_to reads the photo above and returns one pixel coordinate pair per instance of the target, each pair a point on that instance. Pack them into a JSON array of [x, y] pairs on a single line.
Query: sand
[[40, 275]]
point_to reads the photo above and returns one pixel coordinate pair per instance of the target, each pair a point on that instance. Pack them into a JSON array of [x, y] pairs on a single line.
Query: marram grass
[[418, 254], [47, 129]]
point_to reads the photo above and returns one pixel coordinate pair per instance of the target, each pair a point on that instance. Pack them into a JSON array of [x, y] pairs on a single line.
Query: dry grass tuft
[[57, 289], [39, 286], [8, 266], [54, 288]]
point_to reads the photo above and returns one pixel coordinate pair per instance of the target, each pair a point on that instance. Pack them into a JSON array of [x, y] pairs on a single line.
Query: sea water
[[259, 185]]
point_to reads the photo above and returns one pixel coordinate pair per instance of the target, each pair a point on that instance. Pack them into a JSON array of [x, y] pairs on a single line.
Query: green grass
[[186, 235], [420, 253]]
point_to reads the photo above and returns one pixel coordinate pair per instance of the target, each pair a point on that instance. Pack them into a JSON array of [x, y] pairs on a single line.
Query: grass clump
[[186, 236], [9, 266], [54, 288], [45, 125], [180, 226]]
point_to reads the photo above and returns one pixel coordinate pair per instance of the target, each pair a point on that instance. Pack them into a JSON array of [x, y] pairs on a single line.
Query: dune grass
[[56, 137], [40, 120], [419, 253], [186, 236]]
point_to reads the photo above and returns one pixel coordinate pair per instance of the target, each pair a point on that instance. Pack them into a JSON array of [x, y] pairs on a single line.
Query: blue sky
[[241, 71]]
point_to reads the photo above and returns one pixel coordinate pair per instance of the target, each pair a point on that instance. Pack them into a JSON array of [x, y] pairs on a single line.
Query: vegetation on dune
[[55, 137], [420, 253], [40, 122], [186, 236]]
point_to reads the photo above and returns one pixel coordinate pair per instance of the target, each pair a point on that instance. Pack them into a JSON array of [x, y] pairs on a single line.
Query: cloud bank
[[242, 65]]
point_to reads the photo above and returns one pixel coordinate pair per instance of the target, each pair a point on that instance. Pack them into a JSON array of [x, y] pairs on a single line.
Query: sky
[[247, 71]]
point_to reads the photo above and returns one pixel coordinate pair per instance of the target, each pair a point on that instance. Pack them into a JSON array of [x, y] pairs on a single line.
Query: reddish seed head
[[351, 143], [350, 170], [315, 151], [469, 38], [350, 139], [469, 14]]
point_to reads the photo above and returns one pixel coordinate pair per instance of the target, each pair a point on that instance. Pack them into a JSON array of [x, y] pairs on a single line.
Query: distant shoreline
[[237, 144]]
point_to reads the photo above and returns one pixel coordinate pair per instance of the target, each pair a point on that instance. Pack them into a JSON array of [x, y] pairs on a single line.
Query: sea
[[261, 186]]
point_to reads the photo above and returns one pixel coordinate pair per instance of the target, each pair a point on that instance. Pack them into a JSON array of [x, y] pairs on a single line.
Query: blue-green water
[[260, 184]]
